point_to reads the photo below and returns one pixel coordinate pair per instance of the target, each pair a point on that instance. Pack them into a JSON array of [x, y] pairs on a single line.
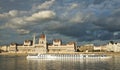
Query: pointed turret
[[42, 40], [33, 40]]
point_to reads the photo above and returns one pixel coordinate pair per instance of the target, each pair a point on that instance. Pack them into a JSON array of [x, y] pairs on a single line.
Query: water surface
[[21, 63]]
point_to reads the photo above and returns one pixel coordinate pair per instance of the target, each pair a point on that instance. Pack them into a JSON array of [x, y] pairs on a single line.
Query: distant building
[[13, 47], [30, 46], [42, 40], [28, 43], [57, 42], [3, 48], [100, 48], [86, 48], [58, 47], [97, 49], [113, 47]]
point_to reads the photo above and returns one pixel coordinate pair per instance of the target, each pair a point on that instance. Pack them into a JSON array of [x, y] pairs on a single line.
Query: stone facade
[[60, 48], [4, 48], [30, 46], [86, 48], [42, 46], [113, 47], [28, 43]]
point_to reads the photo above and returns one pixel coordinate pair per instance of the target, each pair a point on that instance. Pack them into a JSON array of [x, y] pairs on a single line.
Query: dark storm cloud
[[82, 20], [98, 1], [101, 25], [85, 32], [7, 5], [110, 23]]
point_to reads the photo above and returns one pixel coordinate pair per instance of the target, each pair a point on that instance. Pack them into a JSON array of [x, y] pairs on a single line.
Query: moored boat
[[76, 56]]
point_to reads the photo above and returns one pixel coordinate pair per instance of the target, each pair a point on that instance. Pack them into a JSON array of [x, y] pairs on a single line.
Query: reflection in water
[[68, 64], [21, 63], [115, 63], [13, 63]]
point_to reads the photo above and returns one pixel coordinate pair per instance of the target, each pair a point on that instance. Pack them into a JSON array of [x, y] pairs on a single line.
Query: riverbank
[[14, 54], [25, 54]]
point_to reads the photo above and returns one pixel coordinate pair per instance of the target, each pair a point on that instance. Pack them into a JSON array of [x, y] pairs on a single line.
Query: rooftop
[[42, 36]]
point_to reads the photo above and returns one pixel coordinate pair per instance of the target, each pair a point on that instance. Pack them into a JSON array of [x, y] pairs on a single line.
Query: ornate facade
[[42, 46]]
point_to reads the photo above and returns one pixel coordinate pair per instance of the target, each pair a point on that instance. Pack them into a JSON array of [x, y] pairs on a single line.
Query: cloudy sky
[[84, 21]]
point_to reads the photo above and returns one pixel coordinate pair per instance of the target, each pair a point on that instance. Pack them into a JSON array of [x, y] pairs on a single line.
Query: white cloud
[[81, 17], [68, 9], [15, 23], [23, 31], [46, 4], [42, 15], [19, 22], [77, 18], [74, 5], [12, 14]]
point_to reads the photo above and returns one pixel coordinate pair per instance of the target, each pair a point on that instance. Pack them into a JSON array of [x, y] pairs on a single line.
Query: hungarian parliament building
[[30, 46]]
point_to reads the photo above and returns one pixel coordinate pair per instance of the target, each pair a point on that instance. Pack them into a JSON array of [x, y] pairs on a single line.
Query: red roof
[[42, 36]]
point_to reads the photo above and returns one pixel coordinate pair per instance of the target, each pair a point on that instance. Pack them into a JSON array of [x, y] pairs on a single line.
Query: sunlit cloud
[[41, 16], [23, 31], [80, 20], [46, 4], [10, 14]]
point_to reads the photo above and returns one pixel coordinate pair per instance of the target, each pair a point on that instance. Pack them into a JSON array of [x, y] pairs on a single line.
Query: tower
[[33, 40], [42, 40]]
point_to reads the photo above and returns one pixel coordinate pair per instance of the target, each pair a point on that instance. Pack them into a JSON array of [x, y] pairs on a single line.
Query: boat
[[69, 56]]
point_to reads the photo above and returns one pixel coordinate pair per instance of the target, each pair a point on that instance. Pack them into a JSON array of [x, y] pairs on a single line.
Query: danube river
[[21, 63]]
